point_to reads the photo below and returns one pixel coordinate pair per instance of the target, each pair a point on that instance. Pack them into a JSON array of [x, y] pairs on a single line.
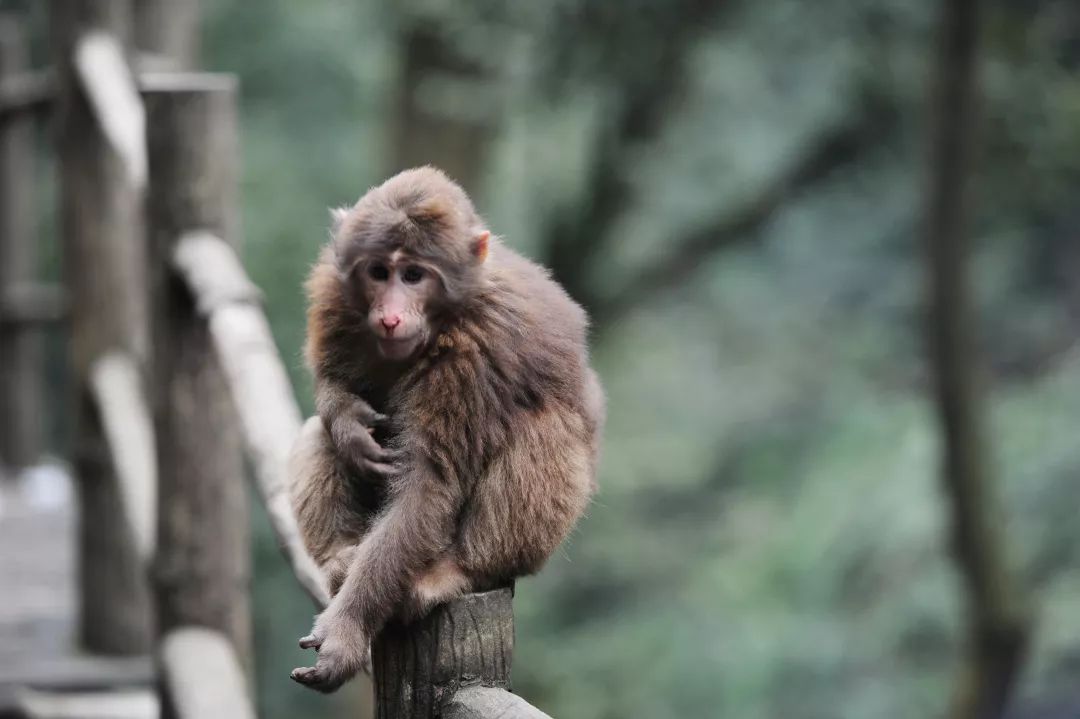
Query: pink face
[[399, 290]]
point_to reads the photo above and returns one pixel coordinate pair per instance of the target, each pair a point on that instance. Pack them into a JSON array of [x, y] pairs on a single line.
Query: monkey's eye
[[379, 273], [412, 274]]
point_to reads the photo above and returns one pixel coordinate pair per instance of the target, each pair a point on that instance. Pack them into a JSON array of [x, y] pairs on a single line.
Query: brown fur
[[493, 429]]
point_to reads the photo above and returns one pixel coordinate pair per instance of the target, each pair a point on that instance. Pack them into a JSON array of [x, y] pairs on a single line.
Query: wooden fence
[[176, 378]]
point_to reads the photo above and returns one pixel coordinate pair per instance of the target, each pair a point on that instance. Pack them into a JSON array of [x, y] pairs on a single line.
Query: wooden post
[[20, 351], [453, 663], [100, 209], [202, 570], [169, 31]]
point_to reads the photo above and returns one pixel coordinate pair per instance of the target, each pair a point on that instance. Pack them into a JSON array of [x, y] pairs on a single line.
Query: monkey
[[458, 421]]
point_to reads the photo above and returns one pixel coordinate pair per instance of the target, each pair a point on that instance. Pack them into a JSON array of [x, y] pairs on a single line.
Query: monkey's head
[[411, 253]]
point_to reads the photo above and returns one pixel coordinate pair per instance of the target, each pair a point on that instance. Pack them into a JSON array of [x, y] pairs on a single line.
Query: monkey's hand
[[351, 433], [344, 649]]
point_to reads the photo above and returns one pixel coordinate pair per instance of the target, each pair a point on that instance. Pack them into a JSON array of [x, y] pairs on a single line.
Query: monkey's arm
[[415, 529], [349, 419]]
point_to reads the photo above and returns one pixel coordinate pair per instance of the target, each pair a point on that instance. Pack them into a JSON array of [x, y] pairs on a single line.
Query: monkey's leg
[[440, 582], [332, 518]]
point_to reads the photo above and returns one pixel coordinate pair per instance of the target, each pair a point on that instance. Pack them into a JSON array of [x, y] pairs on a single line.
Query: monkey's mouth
[[398, 348]]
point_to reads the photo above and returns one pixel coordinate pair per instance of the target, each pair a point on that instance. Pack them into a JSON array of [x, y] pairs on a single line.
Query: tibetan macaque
[[458, 421]]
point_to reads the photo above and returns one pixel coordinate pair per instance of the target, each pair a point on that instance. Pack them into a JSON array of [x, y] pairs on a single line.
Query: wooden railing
[[177, 379]]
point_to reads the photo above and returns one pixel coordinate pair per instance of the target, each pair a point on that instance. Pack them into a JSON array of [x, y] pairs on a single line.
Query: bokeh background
[[734, 190]]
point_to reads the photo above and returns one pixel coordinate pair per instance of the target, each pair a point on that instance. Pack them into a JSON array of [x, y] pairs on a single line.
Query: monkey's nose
[[389, 323]]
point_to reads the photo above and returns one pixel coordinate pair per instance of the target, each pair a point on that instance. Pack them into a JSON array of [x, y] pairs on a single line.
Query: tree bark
[[202, 570], [104, 267]]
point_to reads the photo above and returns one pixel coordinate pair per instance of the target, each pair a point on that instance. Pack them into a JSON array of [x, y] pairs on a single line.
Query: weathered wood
[[202, 677], [258, 383], [20, 350], [489, 703], [109, 85], [419, 668], [104, 265], [117, 388], [169, 29], [202, 570], [213, 272], [33, 92], [32, 303]]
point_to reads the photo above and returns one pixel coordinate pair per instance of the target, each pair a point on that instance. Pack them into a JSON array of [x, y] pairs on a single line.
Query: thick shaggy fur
[[493, 428]]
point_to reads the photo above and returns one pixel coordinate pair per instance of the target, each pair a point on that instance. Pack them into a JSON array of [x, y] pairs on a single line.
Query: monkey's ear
[[337, 217], [480, 245]]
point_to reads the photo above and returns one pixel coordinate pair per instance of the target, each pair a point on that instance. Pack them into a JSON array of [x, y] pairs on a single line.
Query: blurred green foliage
[[768, 541]]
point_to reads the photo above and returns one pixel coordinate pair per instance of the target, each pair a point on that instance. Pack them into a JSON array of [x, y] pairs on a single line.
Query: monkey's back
[[508, 407]]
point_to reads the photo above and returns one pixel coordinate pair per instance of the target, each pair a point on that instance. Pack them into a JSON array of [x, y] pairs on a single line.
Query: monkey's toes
[[317, 678], [309, 642]]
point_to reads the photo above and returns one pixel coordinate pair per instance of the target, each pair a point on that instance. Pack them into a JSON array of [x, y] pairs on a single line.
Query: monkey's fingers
[[313, 678], [379, 470], [310, 642], [319, 677], [366, 414], [363, 446]]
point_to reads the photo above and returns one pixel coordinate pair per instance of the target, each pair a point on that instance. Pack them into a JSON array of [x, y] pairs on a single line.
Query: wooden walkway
[[41, 671]]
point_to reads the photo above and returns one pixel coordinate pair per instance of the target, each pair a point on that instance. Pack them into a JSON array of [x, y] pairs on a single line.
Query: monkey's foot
[[343, 651]]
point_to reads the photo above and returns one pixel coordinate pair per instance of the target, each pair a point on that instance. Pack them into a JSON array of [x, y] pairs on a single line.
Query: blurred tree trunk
[[997, 631], [428, 129]]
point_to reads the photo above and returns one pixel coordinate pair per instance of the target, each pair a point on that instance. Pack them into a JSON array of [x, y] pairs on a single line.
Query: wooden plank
[[258, 383], [21, 411], [202, 677], [203, 566], [104, 263]]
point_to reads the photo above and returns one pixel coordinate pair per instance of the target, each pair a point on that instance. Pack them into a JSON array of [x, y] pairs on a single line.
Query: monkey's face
[[400, 293]]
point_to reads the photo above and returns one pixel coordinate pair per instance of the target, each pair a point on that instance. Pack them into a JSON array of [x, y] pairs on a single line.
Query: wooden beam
[[258, 383], [203, 679], [105, 270], [29, 92], [203, 566], [117, 388], [21, 385], [109, 85], [32, 303]]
